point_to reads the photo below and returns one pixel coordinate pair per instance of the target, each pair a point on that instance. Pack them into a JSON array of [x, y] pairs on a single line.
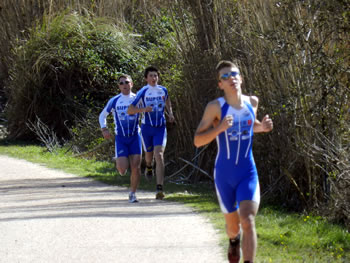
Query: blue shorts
[[153, 136], [231, 191], [125, 146]]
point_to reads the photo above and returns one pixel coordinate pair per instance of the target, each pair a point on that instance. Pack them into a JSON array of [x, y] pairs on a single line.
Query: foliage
[[68, 65], [299, 71], [86, 140], [292, 55]]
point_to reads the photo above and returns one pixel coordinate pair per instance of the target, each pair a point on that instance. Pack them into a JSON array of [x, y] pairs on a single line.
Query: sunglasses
[[124, 82], [226, 76]]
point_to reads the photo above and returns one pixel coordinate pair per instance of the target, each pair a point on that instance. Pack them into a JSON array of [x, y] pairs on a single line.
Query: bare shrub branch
[[46, 135]]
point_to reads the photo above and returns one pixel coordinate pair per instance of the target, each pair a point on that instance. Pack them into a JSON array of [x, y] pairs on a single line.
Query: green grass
[[282, 236]]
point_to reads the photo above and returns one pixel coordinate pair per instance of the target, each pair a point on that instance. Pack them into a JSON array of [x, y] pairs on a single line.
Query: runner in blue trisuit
[[128, 147], [232, 120], [152, 100]]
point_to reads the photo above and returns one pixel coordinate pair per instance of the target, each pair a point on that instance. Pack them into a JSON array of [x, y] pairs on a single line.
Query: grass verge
[[282, 236]]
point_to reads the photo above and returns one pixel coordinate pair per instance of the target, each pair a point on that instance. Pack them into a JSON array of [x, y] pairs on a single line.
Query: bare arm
[[170, 110], [103, 123], [266, 124], [207, 130], [134, 110], [106, 134]]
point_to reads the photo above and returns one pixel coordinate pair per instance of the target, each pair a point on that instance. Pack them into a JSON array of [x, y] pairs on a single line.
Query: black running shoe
[[234, 250], [160, 195]]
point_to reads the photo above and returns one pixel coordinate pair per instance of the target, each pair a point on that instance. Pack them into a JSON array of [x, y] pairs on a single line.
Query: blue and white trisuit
[[127, 129], [235, 174], [153, 127]]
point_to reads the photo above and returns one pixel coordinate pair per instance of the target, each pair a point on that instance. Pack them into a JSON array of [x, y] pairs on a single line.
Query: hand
[[148, 109], [106, 134], [171, 117], [226, 122], [267, 123]]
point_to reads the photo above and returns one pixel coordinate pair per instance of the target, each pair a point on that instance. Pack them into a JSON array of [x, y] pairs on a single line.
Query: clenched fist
[[267, 123], [226, 122]]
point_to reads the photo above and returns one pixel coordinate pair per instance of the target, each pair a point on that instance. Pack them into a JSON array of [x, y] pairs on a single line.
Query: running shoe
[[160, 195], [132, 198], [234, 251]]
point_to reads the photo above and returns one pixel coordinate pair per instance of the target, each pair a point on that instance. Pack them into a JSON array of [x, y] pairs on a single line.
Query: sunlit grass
[[300, 238], [282, 236]]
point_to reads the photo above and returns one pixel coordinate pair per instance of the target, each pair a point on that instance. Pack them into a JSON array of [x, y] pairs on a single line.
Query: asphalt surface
[[51, 216]]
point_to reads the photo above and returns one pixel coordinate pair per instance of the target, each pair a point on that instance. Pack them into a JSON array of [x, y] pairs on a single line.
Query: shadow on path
[[75, 198]]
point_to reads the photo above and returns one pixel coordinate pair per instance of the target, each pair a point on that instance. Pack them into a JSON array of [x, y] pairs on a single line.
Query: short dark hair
[[224, 64], [124, 76], [151, 69]]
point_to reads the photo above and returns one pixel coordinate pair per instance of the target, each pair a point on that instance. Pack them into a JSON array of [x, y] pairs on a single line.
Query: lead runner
[[232, 120]]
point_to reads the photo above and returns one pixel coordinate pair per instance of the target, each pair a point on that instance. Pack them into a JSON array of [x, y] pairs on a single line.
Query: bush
[[67, 68]]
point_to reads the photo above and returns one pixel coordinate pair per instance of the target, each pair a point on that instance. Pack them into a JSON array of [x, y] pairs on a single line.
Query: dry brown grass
[[294, 57]]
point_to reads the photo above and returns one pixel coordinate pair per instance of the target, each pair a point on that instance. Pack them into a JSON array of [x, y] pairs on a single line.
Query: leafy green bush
[[66, 68]]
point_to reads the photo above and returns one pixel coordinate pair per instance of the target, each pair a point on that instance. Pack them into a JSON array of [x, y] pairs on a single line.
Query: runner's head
[[152, 76], [125, 84], [228, 75], [224, 64]]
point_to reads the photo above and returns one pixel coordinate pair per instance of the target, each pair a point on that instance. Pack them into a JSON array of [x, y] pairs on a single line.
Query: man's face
[[125, 85], [152, 78], [230, 79]]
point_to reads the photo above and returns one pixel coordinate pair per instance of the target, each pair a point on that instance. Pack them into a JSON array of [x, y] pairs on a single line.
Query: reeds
[[293, 57]]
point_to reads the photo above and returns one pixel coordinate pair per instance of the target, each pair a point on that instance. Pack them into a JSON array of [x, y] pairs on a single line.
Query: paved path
[[49, 216]]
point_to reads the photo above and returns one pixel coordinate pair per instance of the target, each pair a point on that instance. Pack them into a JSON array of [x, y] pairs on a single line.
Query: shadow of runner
[[75, 198], [50, 216]]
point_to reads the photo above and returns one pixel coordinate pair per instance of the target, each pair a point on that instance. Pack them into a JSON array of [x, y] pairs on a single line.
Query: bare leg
[[233, 231], [149, 158], [232, 224], [122, 164], [159, 157], [135, 161], [247, 212]]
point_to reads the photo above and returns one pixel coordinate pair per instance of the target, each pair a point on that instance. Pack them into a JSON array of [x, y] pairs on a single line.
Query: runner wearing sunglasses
[[128, 147], [231, 120]]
